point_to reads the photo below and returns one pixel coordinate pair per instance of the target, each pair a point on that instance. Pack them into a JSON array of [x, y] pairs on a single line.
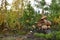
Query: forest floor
[[28, 36]]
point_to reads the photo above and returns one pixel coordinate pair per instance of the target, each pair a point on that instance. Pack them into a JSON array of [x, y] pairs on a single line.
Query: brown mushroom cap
[[44, 17]]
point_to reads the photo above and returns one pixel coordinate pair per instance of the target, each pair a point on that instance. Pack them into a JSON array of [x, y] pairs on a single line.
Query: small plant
[[49, 36], [58, 35], [39, 35]]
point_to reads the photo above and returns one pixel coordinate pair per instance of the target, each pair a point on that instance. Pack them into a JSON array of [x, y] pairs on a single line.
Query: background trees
[[23, 15]]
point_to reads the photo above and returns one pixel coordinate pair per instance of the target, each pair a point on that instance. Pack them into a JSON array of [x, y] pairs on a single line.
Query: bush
[[39, 35], [49, 36], [58, 35]]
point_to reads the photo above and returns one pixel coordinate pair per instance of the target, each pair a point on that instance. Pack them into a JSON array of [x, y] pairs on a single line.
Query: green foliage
[[54, 7], [55, 35], [58, 35], [40, 4], [29, 18], [49, 36], [39, 35]]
